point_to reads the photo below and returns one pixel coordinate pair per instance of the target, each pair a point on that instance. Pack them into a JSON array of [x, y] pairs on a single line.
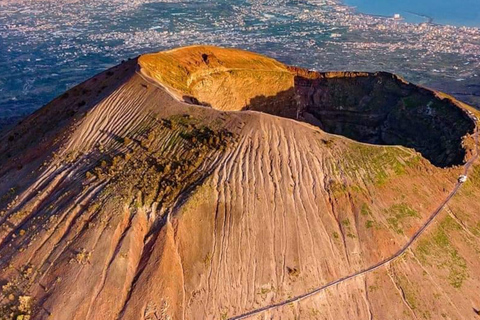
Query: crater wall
[[378, 108], [381, 108]]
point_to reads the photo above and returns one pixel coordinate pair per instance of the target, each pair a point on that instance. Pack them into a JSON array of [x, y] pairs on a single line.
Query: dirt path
[[379, 264]]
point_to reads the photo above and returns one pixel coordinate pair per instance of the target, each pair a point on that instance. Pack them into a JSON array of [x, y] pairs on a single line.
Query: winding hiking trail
[[128, 200], [374, 267], [382, 263]]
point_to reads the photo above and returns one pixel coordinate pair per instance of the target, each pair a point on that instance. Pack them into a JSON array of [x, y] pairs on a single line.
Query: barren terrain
[[207, 183]]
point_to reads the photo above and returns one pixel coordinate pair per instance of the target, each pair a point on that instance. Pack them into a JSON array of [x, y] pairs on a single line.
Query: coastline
[[355, 10], [426, 17], [423, 16]]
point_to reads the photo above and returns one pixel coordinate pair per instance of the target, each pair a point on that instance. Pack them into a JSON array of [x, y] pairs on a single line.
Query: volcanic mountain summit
[[214, 183]]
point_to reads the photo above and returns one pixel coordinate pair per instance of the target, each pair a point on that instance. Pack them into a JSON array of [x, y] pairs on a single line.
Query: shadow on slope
[[377, 108]]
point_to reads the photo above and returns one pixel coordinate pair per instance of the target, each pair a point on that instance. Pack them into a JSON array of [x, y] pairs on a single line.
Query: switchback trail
[[381, 263]]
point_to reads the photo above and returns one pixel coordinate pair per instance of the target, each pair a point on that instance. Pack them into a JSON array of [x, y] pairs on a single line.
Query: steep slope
[[125, 203], [226, 79], [378, 108]]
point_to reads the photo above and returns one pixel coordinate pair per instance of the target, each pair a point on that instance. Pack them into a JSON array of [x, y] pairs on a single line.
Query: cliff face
[[124, 202], [380, 108]]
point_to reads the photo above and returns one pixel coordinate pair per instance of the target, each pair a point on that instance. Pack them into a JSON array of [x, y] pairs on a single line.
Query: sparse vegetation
[[208, 259], [438, 251], [365, 210], [475, 229], [399, 215], [82, 257], [382, 164], [337, 188], [155, 170], [127, 141], [14, 304]]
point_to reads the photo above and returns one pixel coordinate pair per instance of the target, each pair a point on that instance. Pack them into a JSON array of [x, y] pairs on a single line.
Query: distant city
[[49, 46]]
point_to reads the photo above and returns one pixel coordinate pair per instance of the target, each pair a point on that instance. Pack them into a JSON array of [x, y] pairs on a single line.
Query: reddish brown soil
[[118, 201]]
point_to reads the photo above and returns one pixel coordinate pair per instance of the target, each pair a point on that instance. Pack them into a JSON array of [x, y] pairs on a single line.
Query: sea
[[446, 12]]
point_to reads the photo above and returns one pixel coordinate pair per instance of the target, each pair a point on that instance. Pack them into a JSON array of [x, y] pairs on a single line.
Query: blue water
[[449, 12]]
